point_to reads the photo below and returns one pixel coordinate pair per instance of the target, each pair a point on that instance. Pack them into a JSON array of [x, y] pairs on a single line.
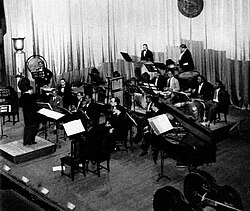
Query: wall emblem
[[190, 8]]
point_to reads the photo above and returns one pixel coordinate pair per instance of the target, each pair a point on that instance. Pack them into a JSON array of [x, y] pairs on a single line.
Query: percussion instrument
[[201, 190], [188, 79], [170, 199], [191, 109]]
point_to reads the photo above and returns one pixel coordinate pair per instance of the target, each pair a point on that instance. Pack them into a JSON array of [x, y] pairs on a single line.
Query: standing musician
[[185, 60], [146, 54], [44, 76]]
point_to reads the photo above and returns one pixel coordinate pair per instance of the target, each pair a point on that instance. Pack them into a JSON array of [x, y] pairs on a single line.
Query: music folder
[[126, 57], [160, 124], [73, 127]]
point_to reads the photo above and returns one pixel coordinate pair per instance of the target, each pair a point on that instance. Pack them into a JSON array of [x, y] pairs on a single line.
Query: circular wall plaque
[[190, 8]]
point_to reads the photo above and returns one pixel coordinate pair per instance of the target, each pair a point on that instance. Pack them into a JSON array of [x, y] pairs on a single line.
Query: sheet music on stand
[[160, 124], [73, 127], [126, 57], [44, 105], [51, 114]]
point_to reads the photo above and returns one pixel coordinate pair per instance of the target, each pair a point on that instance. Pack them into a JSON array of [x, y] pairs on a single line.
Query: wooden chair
[[75, 160], [224, 109], [97, 149]]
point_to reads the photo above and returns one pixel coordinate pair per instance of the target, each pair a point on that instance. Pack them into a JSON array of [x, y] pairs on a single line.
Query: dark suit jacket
[[30, 108], [206, 92], [92, 111], [161, 83], [186, 58], [66, 95], [148, 56], [223, 99], [57, 102]]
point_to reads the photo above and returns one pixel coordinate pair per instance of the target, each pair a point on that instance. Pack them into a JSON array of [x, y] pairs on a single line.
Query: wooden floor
[[131, 183]]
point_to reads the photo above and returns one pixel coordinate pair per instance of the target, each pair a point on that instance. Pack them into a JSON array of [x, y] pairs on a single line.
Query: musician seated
[[79, 102], [203, 90], [220, 102], [55, 101], [142, 121], [173, 85], [91, 109], [200, 94], [117, 125], [150, 138], [159, 81]]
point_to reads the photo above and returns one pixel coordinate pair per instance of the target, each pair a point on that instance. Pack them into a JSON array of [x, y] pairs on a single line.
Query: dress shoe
[[34, 142], [143, 153]]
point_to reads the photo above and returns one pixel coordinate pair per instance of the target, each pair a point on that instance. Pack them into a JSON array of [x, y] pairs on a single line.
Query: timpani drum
[[188, 79]]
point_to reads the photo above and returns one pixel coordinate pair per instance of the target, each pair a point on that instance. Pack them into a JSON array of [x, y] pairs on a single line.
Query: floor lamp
[[19, 56]]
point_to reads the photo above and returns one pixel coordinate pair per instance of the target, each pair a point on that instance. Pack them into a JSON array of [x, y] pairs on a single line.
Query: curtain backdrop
[[76, 35]]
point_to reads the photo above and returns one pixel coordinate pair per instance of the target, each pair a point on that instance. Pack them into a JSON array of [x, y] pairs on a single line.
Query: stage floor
[[16, 152]]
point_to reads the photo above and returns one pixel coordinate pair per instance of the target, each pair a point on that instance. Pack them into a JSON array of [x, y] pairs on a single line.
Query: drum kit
[[201, 193]]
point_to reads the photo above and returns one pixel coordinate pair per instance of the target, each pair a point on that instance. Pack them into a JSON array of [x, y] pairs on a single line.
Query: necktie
[[168, 85]]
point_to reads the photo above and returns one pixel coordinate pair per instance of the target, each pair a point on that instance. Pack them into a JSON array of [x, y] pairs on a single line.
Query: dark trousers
[[29, 134]]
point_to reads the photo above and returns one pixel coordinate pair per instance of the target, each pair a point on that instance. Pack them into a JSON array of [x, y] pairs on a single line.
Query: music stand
[[126, 57], [161, 125], [3, 109], [73, 127], [54, 116], [44, 105]]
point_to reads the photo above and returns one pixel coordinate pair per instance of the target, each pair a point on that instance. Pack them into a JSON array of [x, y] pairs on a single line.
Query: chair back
[[76, 148]]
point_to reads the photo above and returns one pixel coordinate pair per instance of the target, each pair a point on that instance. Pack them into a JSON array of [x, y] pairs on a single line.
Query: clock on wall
[[190, 8]]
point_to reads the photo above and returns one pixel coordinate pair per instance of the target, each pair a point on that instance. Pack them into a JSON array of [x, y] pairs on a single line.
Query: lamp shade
[[18, 43]]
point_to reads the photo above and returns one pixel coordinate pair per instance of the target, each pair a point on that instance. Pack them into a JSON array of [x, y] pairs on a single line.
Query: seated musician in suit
[[91, 110], [159, 81], [79, 102], [220, 102], [55, 100], [150, 137], [173, 85], [64, 90], [203, 92], [143, 120], [117, 124]]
